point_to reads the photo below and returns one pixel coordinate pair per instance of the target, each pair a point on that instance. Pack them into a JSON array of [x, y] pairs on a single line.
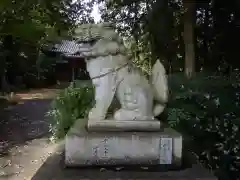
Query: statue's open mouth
[[70, 48]]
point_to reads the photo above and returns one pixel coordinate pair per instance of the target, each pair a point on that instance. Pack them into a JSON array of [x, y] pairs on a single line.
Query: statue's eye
[[92, 42]]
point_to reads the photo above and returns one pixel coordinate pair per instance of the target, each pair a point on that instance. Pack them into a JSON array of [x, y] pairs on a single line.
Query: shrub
[[207, 110], [71, 104]]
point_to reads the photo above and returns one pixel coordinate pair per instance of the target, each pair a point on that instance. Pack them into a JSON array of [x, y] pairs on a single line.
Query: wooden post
[[73, 76]]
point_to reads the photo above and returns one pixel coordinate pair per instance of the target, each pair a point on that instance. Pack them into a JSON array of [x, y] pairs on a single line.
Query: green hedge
[[71, 104], [206, 108]]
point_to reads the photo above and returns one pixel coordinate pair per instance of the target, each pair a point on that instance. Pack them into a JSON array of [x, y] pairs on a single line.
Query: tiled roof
[[69, 48]]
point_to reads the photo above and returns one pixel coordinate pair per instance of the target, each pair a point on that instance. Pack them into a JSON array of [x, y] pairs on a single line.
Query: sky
[[95, 13]]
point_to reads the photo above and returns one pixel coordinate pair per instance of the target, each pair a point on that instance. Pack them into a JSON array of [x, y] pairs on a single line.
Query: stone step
[[123, 125]]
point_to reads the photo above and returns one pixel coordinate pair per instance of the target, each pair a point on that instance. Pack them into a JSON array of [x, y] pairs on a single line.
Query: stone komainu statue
[[113, 74]]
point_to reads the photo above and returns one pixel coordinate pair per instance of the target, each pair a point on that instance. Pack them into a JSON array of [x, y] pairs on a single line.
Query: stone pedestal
[[84, 148]]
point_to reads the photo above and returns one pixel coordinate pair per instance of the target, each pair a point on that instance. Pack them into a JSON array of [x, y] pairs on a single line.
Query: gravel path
[[24, 144], [24, 131]]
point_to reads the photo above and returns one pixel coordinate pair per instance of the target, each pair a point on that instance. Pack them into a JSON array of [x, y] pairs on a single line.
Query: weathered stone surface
[[54, 169], [84, 148], [114, 76], [117, 125]]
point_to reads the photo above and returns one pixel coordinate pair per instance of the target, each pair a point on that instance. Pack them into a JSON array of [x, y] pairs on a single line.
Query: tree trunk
[[5, 59], [188, 35], [206, 58]]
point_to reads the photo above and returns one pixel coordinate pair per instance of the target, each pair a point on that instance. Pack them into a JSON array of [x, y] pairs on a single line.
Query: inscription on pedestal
[[165, 155], [102, 150]]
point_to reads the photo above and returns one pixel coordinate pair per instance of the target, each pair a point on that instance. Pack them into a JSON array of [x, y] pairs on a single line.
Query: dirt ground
[[26, 153], [24, 131]]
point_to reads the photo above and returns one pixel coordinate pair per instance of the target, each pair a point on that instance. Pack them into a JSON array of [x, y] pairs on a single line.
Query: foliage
[[40, 16], [156, 31], [136, 20], [207, 110], [71, 104], [25, 26]]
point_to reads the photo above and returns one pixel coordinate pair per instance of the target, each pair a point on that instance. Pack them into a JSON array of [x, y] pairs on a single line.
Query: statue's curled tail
[[160, 87]]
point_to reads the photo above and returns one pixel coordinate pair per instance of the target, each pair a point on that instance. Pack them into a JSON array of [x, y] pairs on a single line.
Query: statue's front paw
[[95, 114], [131, 115], [121, 115], [117, 115]]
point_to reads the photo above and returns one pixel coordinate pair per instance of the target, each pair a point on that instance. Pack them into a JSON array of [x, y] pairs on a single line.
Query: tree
[[189, 37], [27, 24]]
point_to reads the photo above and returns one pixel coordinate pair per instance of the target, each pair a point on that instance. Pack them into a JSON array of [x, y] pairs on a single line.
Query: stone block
[[84, 148], [117, 125]]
